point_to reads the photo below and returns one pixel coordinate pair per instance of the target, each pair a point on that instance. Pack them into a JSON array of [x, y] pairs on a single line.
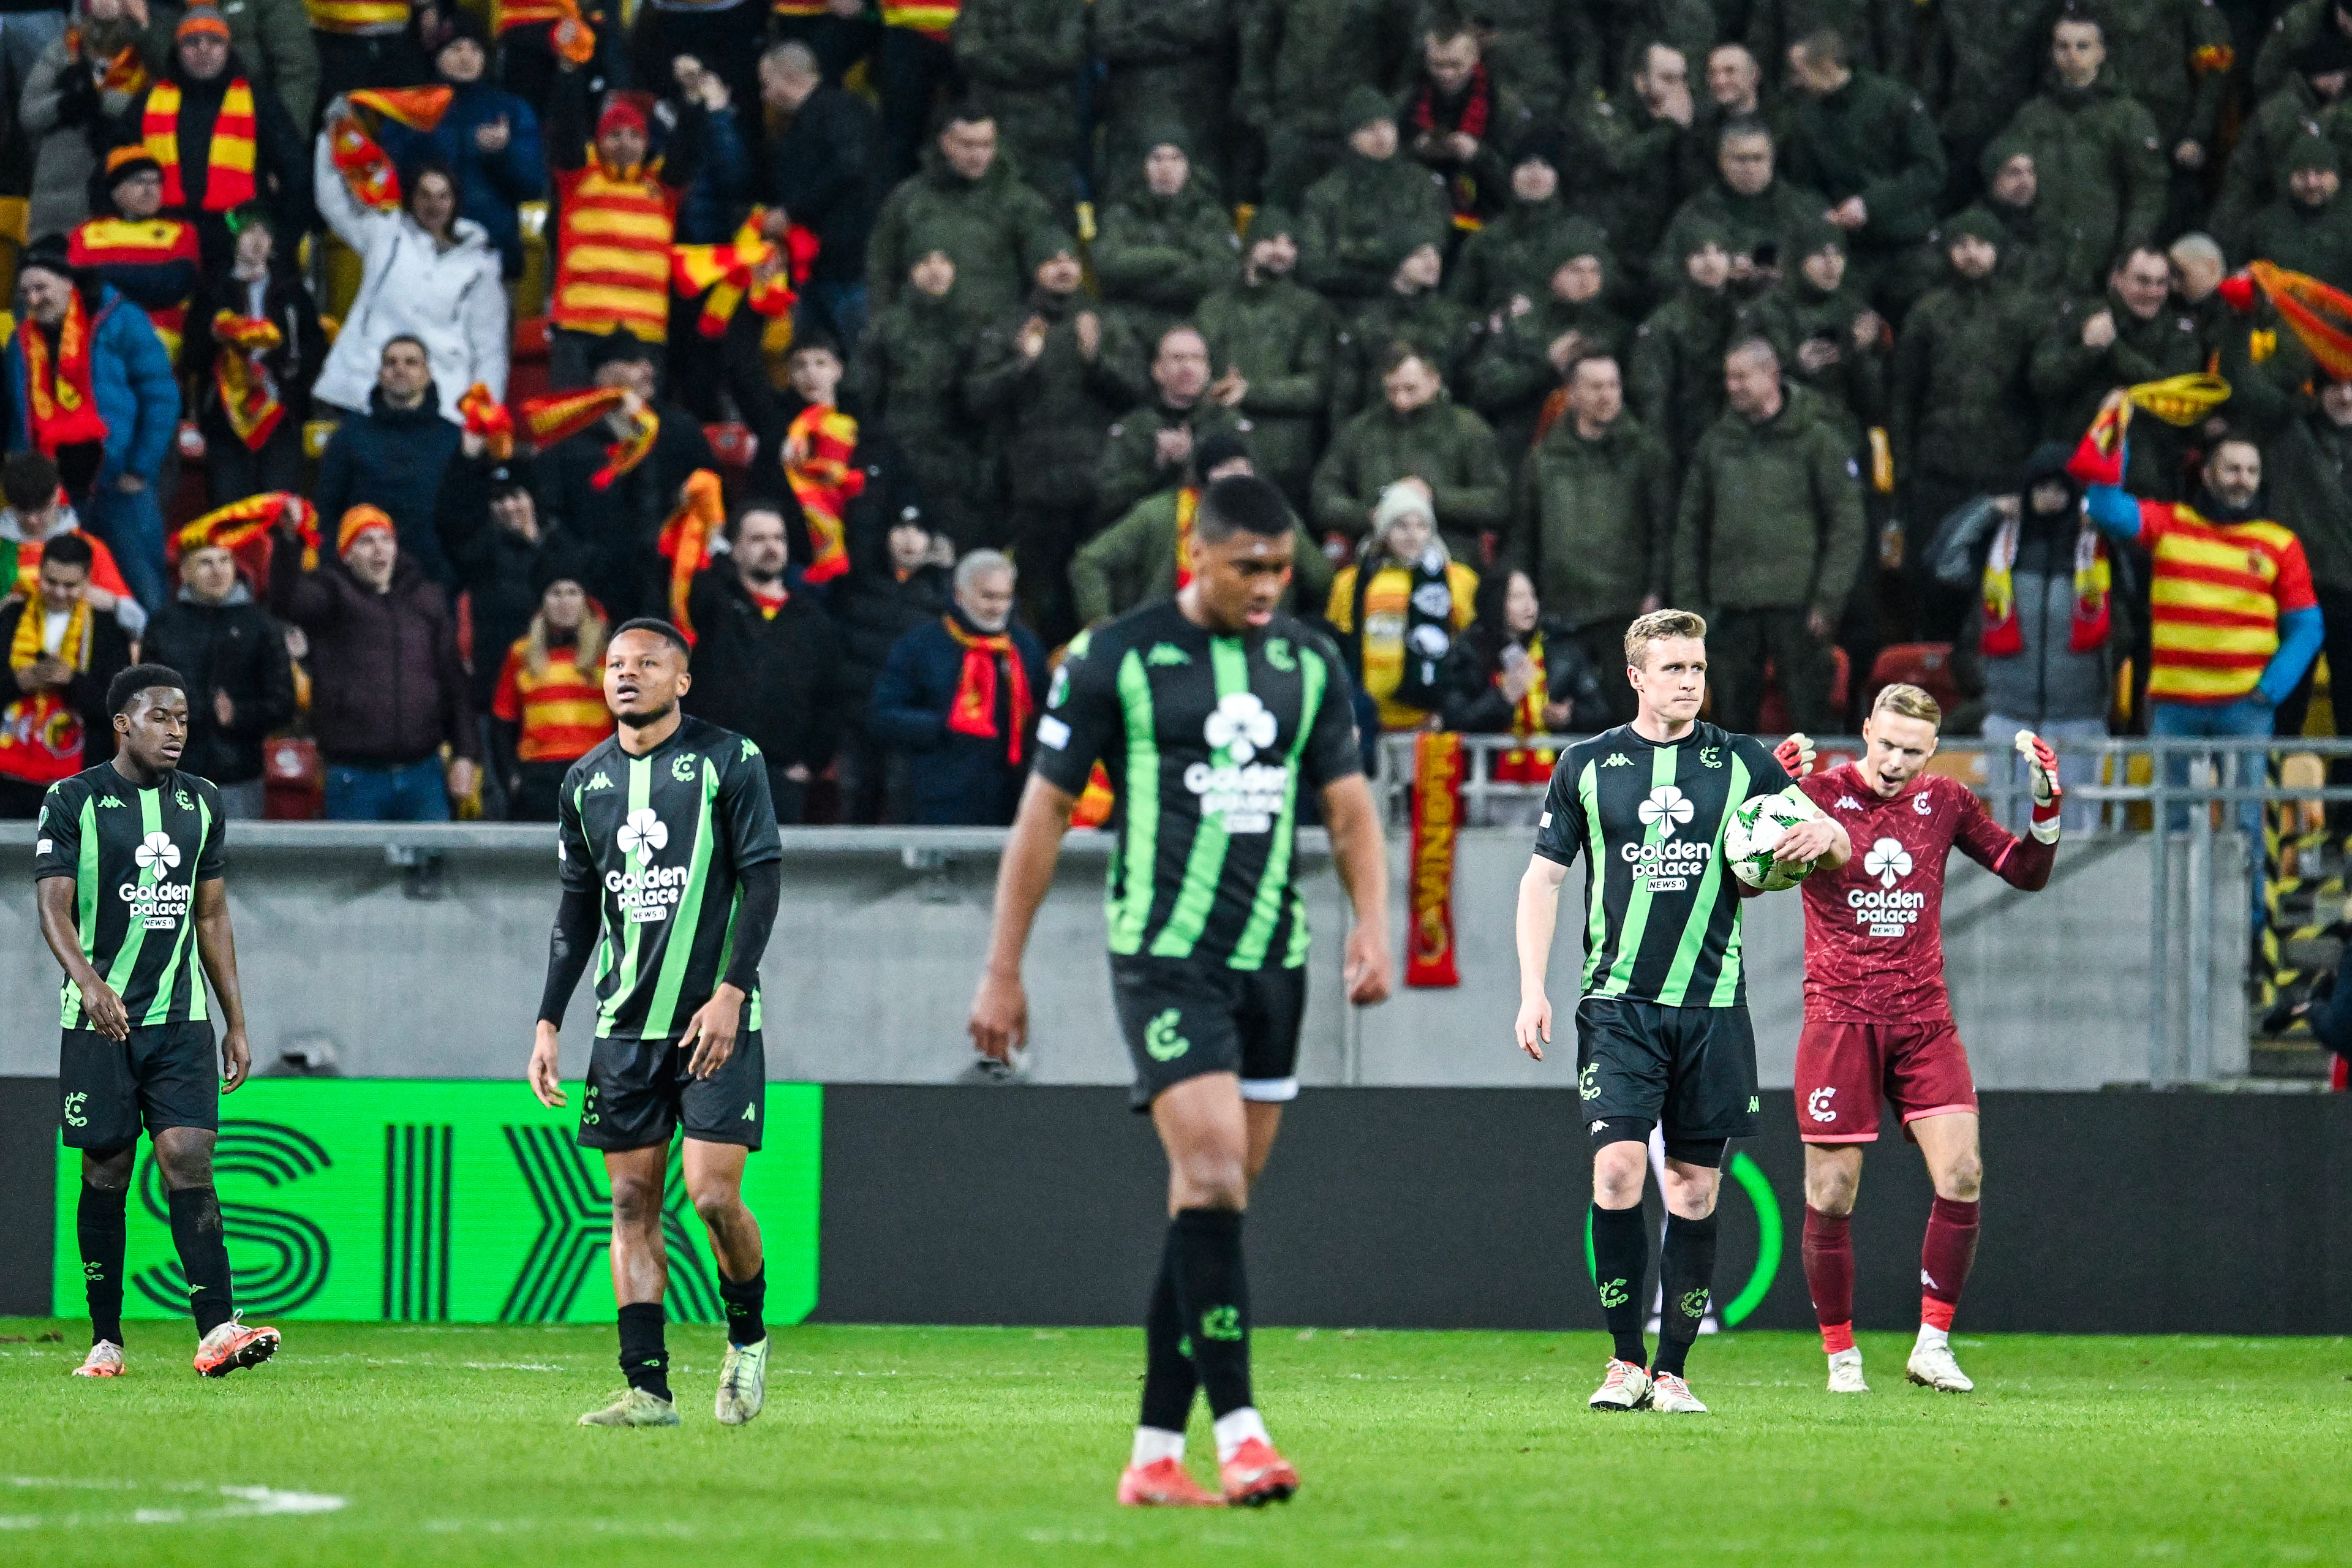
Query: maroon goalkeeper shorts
[[1842, 1069]]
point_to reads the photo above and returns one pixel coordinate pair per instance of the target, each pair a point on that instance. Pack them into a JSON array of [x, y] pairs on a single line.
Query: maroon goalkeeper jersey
[[1874, 928]]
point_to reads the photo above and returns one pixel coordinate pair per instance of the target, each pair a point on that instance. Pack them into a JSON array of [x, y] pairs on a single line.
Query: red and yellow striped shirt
[[561, 711], [611, 252], [2215, 601]]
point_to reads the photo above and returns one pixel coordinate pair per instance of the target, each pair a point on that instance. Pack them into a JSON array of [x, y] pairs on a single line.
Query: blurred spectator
[[1519, 366], [1735, 90], [2174, 57], [1164, 244], [1412, 311], [106, 414], [1152, 445], [1270, 345], [548, 708], [1527, 44], [366, 43], [1828, 336], [1630, 176], [2043, 624], [62, 653], [1866, 143], [723, 35], [615, 217], [427, 275], [486, 138], [503, 554], [882, 602], [1370, 212], [233, 656], [1592, 520], [767, 658], [2309, 229], [1502, 260], [253, 395], [388, 688], [37, 512], [1306, 66], [907, 380], [2097, 156], [966, 202], [2310, 476], [1511, 674], [1973, 64], [1461, 121], [1022, 61], [1164, 62], [1757, 213], [618, 522], [1769, 539], [2088, 347], [1677, 365], [1147, 554], [1415, 432], [711, 208], [529, 65], [150, 259], [392, 456], [1047, 367], [82, 80], [959, 696], [2311, 91], [273, 39], [821, 164], [2032, 247], [1399, 607], [838, 34], [915, 65], [221, 137]]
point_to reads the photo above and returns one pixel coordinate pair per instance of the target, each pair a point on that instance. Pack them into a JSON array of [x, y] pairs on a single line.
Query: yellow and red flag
[[487, 418], [553, 419], [819, 453], [685, 538]]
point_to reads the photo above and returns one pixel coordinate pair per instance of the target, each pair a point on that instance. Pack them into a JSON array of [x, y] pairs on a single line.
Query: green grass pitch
[[453, 1446]]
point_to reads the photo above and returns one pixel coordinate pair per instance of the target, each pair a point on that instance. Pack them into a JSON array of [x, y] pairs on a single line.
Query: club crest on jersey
[[1886, 911], [182, 796], [1710, 756], [1922, 804], [682, 766], [1278, 655]]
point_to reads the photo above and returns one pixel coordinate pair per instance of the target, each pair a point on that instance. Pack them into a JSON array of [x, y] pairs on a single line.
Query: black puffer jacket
[[387, 685], [233, 648], [877, 608], [777, 681]]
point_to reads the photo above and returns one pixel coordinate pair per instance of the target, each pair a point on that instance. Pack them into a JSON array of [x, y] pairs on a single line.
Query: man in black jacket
[[392, 456], [233, 656], [767, 658], [821, 168], [959, 696], [619, 526], [877, 604]]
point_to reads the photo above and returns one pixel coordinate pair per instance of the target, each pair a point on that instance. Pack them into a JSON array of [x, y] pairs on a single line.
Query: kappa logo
[[1166, 655], [1161, 1043], [1667, 805], [750, 748], [1597, 1125], [751, 1113], [1278, 655], [682, 766], [601, 781], [1888, 861], [1241, 727], [1818, 1105], [1618, 760], [1929, 1280], [157, 855], [1847, 803], [1755, 1104], [76, 1103], [644, 834], [108, 800]]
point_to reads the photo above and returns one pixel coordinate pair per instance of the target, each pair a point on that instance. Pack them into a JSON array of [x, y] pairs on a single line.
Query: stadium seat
[[1927, 665], [294, 780], [1772, 716]]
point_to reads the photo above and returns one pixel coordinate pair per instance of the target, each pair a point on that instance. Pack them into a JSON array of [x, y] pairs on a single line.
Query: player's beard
[[645, 720]]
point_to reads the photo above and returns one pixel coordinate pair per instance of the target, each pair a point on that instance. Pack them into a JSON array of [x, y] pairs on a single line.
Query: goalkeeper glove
[[2041, 766], [1795, 755]]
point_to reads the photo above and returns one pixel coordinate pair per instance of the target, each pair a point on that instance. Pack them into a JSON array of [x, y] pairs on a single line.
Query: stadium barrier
[[1384, 1208]]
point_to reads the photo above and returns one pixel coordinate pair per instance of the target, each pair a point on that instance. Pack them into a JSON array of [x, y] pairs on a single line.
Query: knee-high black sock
[[1685, 1273], [645, 1358], [1170, 1378], [204, 1255], [1620, 1261], [1214, 1292], [746, 1307], [100, 1226]]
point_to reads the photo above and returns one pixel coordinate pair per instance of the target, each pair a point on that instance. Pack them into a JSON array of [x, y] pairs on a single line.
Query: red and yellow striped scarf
[[1188, 506], [40, 732], [248, 391], [63, 400], [686, 538], [2004, 636], [553, 419], [819, 453], [124, 72], [229, 161]]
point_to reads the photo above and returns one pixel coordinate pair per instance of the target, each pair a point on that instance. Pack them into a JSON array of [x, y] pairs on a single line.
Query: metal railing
[[2133, 792]]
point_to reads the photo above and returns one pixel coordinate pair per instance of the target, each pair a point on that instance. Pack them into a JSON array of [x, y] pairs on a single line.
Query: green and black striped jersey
[[1662, 913], [1207, 741], [135, 857], [666, 837]]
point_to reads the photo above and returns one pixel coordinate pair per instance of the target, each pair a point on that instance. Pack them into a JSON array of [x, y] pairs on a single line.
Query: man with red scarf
[[1463, 123], [959, 696]]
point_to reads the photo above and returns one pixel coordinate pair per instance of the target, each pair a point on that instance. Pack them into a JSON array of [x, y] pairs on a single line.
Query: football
[[1754, 832]]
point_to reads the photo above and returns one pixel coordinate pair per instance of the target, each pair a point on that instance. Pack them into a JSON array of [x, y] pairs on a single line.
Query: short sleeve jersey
[[1207, 739], [666, 837], [1663, 915], [1874, 928], [135, 857]]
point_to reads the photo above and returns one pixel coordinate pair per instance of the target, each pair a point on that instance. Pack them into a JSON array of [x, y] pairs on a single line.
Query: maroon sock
[[1945, 1258], [1829, 1275]]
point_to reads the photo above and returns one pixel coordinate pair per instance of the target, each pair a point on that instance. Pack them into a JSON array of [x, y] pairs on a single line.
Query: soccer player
[[1877, 1021], [1661, 1033], [668, 845], [128, 866], [1210, 712]]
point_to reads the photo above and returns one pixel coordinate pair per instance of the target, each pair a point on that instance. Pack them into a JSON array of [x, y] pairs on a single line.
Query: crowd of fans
[[1541, 312]]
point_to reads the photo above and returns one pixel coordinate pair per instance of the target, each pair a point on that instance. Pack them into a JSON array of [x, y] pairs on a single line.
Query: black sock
[[204, 1255], [747, 1305], [1621, 1260], [1170, 1378], [645, 1358], [1686, 1271], [1213, 1293], [100, 1226]]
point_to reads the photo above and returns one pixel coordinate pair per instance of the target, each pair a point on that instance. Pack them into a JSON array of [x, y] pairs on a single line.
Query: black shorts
[[639, 1095], [167, 1075], [1689, 1070], [1182, 1019]]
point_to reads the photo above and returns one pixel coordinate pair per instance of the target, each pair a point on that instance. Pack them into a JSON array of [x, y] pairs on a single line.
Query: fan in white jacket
[[445, 291]]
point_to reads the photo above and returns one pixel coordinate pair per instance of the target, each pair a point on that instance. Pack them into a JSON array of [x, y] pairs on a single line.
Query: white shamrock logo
[[644, 834], [1241, 726], [157, 853], [1887, 861], [1665, 805]]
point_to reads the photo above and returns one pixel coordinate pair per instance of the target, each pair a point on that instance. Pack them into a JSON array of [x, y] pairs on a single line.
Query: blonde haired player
[[1877, 1021]]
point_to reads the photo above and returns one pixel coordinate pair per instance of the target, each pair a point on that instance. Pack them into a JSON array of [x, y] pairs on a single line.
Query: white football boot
[[1846, 1371], [1626, 1387], [1933, 1365], [742, 1383]]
